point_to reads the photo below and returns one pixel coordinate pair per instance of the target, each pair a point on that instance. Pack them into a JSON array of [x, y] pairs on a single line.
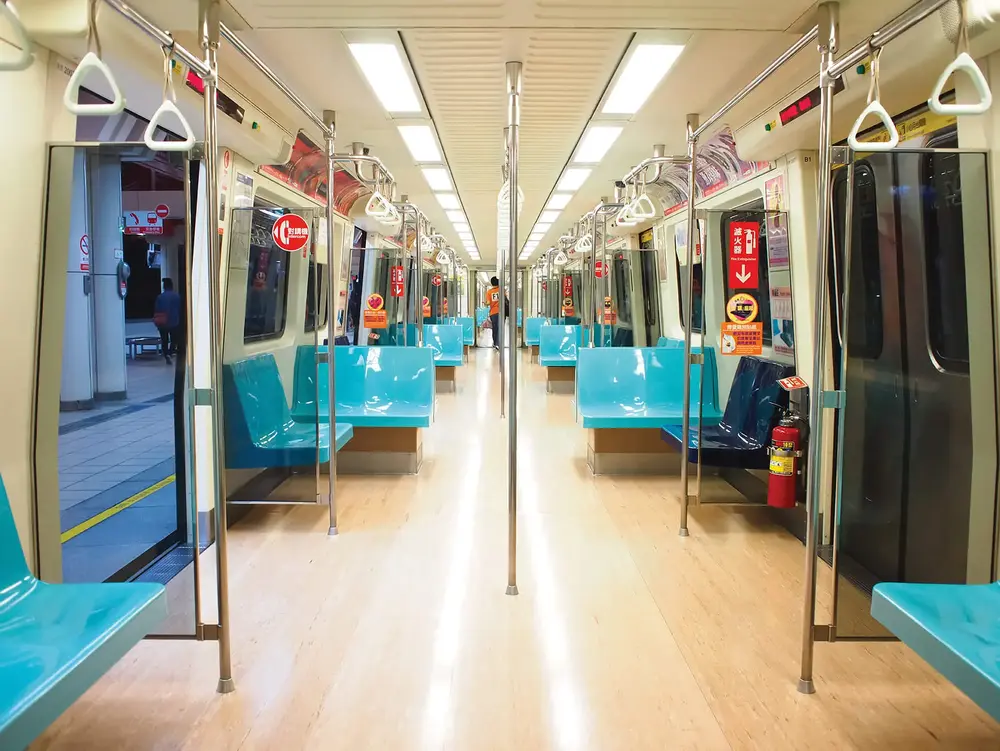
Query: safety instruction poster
[[782, 331], [680, 242], [742, 338], [777, 223], [375, 316]]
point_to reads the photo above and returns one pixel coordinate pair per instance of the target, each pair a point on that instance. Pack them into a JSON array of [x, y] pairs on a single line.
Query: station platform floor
[[397, 634]]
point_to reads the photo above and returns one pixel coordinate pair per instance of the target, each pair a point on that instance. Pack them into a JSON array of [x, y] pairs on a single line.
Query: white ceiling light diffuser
[[421, 142], [461, 227], [573, 178], [643, 72], [542, 227], [455, 216], [559, 201], [548, 217], [437, 178], [447, 200], [596, 142], [383, 66]]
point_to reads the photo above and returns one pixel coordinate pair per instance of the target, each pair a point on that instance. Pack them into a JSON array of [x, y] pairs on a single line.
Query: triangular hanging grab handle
[[963, 62], [874, 108], [168, 107], [561, 259], [375, 207], [90, 62], [624, 217], [26, 57], [642, 207]]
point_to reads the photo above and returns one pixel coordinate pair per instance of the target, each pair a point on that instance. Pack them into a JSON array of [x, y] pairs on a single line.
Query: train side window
[[682, 281], [311, 296], [947, 311], [864, 318], [267, 283], [763, 292]]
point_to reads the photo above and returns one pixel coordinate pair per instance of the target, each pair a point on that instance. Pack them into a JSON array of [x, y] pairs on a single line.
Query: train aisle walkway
[[398, 634]]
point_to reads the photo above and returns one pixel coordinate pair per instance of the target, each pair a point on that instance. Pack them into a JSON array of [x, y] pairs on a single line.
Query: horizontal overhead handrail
[[162, 36]]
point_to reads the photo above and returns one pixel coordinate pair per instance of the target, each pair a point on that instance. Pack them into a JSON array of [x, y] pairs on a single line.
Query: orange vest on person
[[493, 298]]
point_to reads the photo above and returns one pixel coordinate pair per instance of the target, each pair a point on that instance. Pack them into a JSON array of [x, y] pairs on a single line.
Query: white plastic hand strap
[[624, 217], [379, 208], [642, 207], [442, 258], [963, 62], [91, 62], [874, 108], [169, 106], [25, 57], [561, 258], [583, 246]]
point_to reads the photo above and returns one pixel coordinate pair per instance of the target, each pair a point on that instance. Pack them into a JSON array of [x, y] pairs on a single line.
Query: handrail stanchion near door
[[209, 14], [332, 272], [513, 119], [688, 304]]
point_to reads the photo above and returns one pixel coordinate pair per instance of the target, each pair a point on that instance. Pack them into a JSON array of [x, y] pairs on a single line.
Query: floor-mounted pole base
[[226, 686], [512, 589], [683, 532], [806, 686], [332, 532]]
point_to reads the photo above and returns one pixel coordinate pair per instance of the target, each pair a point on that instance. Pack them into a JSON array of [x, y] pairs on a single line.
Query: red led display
[[806, 103]]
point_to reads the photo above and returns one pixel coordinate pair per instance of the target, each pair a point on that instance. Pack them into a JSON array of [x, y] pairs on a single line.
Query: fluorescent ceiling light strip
[[542, 227], [447, 200], [461, 227], [421, 142], [573, 178], [383, 66], [548, 217], [438, 178], [559, 201], [455, 216], [596, 142], [643, 72]]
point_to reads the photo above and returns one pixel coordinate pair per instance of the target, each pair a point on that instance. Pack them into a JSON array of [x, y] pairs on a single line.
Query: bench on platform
[[557, 352], [954, 627], [625, 395], [59, 639], [385, 393], [261, 431], [445, 341], [741, 438]]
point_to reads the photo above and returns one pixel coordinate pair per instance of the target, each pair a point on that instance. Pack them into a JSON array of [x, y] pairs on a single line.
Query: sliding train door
[[919, 465]]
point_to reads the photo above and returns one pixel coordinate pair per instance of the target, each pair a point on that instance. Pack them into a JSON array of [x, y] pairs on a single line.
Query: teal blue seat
[[641, 387], [671, 343], [390, 387], [57, 640], [260, 429], [468, 329], [481, 315], [558, 345], [531, 329], [344, 432], [446, 342], [954, 627]]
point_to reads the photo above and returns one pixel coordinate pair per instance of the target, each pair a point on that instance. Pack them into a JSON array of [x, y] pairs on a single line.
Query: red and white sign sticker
[[163, 211], [396, 281], [436, 280], [143, 223], [84, 253], [744, 255], [600, 269], [792, 383], [290, 232]]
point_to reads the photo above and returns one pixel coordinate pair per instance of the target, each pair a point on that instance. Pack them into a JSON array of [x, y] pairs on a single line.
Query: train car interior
[[525, 374]]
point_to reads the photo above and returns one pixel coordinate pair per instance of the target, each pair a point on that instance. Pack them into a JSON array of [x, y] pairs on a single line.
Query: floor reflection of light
[[567, 712], [440, 705]]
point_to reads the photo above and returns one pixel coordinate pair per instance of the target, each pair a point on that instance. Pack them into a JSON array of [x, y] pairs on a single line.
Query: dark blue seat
[[56, 640], [260, 430], [954, 627], [741, 438]]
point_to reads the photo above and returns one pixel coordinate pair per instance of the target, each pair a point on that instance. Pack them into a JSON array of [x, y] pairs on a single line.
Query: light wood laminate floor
[[397, 634]]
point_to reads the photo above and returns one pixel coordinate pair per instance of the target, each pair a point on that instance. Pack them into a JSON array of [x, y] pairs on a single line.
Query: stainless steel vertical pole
[[593, 273], [513, 120], [498, 334], [208, 22], [332, 274], [829, 29], [688, 302], [409, 283]]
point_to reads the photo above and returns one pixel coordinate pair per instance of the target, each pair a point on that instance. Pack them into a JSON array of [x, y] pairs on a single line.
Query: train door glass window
[[947, 308], [750, 213], [267, 280], [680, 250], [314, 292]]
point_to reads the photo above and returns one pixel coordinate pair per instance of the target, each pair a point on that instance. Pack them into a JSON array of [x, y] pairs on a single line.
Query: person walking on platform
[[493, 300], [167, 318]]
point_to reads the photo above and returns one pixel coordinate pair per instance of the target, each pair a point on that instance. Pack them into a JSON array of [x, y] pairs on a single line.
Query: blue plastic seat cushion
[[954, 627]]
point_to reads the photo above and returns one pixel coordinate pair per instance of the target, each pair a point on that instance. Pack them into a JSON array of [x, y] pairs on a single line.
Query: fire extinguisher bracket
[[795, 454]]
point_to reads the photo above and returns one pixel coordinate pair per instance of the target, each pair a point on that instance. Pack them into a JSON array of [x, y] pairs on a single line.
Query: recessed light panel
[[421, 142], [573, 178], [643, 72], [448, 200], [382, 65], [596, 142], [437, 177]]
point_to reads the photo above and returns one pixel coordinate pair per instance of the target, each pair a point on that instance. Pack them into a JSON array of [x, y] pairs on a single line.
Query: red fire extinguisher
[[785, 450]]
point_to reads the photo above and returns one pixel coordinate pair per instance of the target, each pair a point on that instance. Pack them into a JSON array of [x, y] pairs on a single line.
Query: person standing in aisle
[[493, 300], [167, 318]]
